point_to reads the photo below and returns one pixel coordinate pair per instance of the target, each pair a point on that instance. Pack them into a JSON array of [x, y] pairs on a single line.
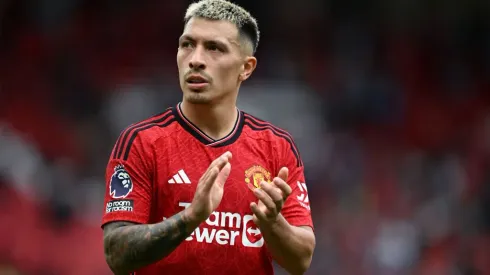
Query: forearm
[[292, 247], [131, 247]]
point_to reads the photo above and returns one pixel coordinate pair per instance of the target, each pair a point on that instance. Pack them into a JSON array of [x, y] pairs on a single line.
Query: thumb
[[223, 175], [283, 174]]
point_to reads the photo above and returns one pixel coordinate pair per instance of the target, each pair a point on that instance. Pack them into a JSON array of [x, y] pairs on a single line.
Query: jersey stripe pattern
[[123, 145], [261, 125]]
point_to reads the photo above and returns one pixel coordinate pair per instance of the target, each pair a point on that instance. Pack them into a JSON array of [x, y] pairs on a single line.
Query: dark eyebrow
[[218, 43], [186, 37]]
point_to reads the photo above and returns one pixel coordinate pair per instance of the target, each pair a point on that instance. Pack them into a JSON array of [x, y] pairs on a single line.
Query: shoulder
[[266, 130], [144, 133], [262, 129]]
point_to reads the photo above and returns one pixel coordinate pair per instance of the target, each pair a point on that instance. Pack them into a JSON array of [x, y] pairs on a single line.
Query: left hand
[[271, 199]]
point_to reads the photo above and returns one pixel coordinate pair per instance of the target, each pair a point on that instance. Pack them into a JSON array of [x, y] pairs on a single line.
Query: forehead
[[205, 29]]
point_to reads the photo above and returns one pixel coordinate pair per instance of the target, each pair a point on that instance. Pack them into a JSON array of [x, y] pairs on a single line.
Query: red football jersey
[[155, 167]]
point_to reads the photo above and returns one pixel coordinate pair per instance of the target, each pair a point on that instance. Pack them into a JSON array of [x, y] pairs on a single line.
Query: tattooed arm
[[130, 246]]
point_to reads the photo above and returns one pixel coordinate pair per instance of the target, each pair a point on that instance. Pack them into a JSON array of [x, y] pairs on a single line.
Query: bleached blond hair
[[224, 10]]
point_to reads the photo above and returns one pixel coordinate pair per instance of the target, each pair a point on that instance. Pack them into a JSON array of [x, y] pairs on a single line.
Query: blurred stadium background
[[389, 102]]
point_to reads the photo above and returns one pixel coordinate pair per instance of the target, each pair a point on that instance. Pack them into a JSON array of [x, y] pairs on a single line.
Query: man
[[177, 202]]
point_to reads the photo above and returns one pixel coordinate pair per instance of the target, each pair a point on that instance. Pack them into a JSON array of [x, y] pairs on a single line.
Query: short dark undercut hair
[[224, 10]]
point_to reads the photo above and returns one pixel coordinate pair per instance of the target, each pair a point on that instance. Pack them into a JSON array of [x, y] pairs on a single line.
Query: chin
[[197, 97]]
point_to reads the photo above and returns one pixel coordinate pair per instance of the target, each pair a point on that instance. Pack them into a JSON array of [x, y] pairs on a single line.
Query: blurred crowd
[[389, 102]]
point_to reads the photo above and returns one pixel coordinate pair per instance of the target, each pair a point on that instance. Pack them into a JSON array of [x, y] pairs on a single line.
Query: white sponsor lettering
[[220, 218], [224, 229], [116, 206]]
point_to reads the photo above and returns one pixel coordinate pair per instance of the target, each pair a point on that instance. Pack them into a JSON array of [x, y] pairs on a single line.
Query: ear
[[248, 67]]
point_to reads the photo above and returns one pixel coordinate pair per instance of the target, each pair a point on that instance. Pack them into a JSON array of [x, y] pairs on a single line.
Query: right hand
[[209, 191]]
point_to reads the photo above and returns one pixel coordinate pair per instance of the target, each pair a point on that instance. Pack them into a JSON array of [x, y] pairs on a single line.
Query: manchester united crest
[[255, 175]]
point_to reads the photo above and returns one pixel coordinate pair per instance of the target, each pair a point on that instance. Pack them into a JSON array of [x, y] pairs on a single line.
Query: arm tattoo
[[129, 246]]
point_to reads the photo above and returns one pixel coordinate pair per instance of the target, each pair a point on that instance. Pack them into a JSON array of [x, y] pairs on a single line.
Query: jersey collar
[[203, 137]]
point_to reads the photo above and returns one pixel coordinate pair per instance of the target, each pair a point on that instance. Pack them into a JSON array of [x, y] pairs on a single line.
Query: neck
[[215, 120]]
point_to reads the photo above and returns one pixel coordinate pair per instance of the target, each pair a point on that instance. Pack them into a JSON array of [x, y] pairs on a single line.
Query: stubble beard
[[197, 97]]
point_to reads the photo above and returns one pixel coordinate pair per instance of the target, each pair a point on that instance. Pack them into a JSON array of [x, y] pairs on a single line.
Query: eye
[[185, 44], [214, 48]]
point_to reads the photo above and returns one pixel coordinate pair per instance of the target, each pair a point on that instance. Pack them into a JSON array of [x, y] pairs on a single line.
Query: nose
[[197, 59]]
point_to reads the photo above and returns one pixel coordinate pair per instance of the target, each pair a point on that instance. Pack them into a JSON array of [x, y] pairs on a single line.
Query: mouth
[[195, 78], [196, 82]]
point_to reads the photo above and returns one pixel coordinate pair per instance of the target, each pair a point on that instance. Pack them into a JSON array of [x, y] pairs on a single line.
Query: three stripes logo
[[180, 178], [303, 197]]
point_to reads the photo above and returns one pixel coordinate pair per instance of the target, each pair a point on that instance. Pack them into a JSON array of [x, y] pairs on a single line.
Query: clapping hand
[[271, 199]]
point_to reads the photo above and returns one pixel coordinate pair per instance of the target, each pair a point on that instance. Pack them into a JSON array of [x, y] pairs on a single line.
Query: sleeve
[[128, 181], [296, 209]]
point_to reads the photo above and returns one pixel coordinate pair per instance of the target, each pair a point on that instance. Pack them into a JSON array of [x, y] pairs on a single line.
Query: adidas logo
[[180, 178]]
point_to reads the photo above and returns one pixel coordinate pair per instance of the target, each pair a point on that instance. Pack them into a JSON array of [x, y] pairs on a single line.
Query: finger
[[258, 212], [210, 178], [283, 186], [224, 174], [218, 177], [274, 193], [219, 162], [283, 174], [223, 160], [265, 199]]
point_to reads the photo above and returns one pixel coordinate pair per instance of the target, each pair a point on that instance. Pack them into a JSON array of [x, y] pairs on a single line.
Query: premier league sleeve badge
[[121, 184]]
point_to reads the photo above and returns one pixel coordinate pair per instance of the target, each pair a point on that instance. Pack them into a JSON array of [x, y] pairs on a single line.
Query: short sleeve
[[296, 209], [128, 181]]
